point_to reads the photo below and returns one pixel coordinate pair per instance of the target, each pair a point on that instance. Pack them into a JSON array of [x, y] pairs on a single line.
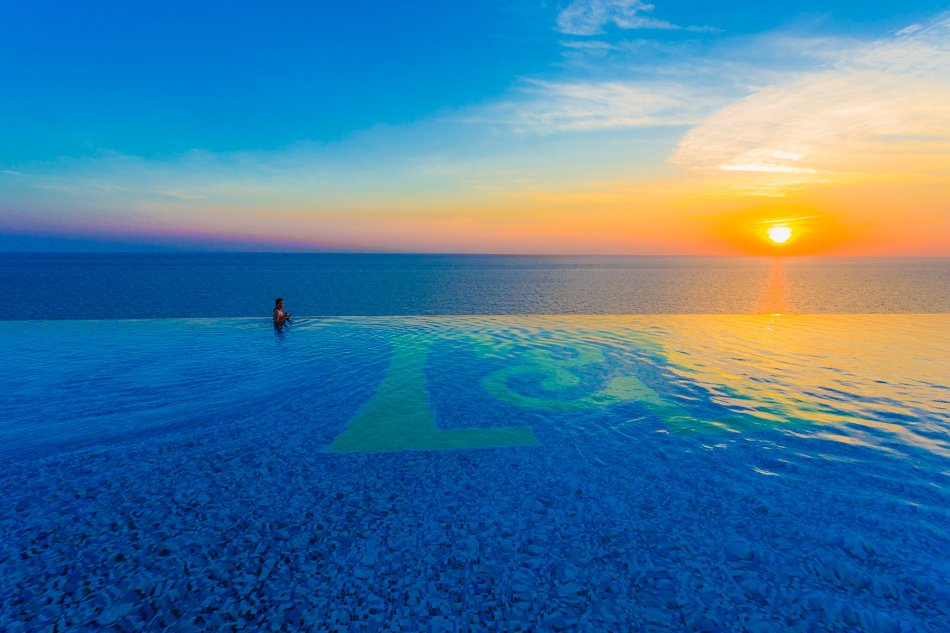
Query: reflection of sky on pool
[[742, 472]]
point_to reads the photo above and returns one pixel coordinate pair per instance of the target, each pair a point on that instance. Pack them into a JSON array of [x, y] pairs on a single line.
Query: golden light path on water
[[854, 374]]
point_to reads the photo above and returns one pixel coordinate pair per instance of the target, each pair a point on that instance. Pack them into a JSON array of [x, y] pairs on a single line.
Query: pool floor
[[695, 473]]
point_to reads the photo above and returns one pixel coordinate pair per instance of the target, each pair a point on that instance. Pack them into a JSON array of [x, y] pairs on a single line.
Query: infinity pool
[[697, 473]]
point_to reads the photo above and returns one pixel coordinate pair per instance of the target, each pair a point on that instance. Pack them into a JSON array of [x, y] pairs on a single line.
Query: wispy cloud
[[589, 17], [645, 83], [768, 168], [543, 107], [908, 30], [864, 114], [587, 45]]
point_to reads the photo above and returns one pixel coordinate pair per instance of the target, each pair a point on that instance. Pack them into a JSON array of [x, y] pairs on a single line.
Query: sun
[[779, 234]]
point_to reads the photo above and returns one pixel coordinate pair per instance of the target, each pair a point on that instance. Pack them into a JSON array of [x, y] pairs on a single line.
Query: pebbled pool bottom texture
[[694, 473]]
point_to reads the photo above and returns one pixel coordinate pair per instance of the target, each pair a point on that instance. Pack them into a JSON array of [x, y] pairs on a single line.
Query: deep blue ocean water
[[692, 472], [150, 285]]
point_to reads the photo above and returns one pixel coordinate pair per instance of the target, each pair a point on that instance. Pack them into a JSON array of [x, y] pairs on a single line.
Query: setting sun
[[780, 234]]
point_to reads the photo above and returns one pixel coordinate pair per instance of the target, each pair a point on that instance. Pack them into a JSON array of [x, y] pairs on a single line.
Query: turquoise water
[[704, 472]]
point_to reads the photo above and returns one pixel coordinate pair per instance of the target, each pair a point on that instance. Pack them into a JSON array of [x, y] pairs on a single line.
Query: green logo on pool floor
[[398, 417]]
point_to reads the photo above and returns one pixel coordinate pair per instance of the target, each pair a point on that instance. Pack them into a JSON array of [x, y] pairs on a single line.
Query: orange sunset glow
[[840, 151]]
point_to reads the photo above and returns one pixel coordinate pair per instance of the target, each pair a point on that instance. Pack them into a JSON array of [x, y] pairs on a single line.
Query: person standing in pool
[[280, 317]]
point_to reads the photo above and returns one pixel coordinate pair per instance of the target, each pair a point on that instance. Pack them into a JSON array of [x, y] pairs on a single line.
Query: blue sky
[[181, 99], [149, 78], [146, 78]]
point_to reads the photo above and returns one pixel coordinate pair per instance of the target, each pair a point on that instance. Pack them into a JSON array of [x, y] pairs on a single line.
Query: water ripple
[[740, 473]]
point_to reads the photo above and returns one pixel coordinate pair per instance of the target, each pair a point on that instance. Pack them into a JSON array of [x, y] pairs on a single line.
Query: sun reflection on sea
[[775, 297]]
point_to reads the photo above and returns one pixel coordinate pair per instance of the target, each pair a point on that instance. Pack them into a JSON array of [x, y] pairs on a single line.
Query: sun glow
[[779, 234]]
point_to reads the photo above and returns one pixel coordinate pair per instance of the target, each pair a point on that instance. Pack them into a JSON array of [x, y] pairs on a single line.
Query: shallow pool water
[[704, 473]]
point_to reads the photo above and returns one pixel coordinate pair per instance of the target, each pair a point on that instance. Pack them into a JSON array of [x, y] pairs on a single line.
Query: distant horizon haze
[[39, 243]]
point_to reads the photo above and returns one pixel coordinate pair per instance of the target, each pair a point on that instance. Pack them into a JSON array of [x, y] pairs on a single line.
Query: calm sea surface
[[109, 286]]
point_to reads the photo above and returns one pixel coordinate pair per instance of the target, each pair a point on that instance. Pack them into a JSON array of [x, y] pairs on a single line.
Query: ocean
[[161, 285]]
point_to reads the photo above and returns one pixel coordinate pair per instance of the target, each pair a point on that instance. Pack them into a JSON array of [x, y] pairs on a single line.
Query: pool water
[[699, 473]]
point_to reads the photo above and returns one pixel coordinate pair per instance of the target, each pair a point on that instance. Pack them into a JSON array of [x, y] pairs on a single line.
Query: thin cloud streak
[[642, 84], [545, 107]]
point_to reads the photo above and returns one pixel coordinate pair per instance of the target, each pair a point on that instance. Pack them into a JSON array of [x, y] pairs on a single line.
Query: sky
[[524, 126]]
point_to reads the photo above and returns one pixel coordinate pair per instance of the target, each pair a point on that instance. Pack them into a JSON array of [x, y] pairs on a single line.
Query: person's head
[[279, 303]]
